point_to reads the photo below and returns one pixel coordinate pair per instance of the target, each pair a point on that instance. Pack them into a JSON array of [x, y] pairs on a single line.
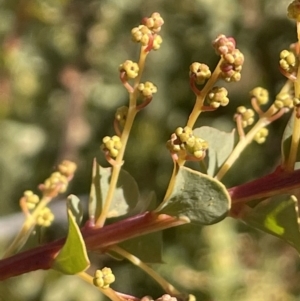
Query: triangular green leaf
[[125, 197], [73, 203], [72, 258], [277, 216], [220, 145], [198, 197]]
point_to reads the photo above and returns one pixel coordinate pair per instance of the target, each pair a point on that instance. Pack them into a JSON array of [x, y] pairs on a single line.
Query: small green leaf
[[277, 216], [72, 258], [125, 197], [286, 140], [220, 145], [73, 203], [198, 197]]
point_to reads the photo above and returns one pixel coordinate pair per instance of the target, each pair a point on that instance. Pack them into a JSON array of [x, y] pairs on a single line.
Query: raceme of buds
[[288, 61], [218, 97], [200, 71], [31, 199], [147, 89], [121, 115], [112, 145], [130, 68], [246, 114], [261, 135], [45, 217], [284, 100], [103, 278], [294, 10], [261, 95]]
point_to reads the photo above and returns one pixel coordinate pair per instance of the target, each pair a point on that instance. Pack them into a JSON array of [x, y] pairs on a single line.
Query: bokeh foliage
[[59, 89]]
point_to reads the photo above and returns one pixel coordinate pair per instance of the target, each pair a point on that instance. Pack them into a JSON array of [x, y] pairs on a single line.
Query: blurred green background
[[59, 89]]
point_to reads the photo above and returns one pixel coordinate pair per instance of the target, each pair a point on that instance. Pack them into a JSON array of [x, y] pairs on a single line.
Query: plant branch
[[96, 239]]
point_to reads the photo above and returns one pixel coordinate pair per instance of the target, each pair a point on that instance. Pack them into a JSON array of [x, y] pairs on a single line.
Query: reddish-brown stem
[[278, 182], [96, 239], [256, 106], [193, 84], [150, 43], [146, 101]]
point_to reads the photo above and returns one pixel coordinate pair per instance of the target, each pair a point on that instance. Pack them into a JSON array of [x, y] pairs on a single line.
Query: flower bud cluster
[[200, 71], [45, 217], [233, 59], [261, 95], [261, 135], [288, 61], [121, 115], [112, 145], [183, 142], [147, 32], [31, 199], [103, 278], [284, 100], [130, 68], [218, 97], [55, 184], [147, 89], [246, 114]]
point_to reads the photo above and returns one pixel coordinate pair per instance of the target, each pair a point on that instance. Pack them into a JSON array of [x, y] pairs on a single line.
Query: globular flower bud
[[56, 183], [31, 199], [218, 97], [112, 145], [184, 143], [288, 61], [130, 68], [141, 34], [261, 95], [224, 45], [67, 168], [232, 65], [147, 89], [45, 217], [201, 72], [157, 41], [103, 278], [247, 116], [154, 23], [260, 136], [284, 100]]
